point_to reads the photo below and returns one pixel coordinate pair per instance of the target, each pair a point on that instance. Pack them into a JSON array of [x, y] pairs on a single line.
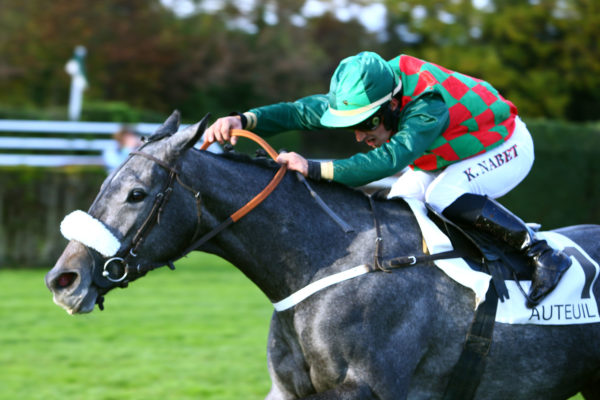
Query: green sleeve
[[302, 114], [421, 122]]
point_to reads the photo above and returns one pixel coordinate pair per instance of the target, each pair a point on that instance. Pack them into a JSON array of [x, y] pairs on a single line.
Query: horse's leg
[[349, 391], [289, 372], [287, 367]]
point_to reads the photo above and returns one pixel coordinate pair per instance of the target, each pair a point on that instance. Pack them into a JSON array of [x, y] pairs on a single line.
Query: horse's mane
[[260, 159]]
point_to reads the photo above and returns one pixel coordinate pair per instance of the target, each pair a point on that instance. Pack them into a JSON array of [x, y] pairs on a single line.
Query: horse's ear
[[168, 128], [183, 140], [199, 132]]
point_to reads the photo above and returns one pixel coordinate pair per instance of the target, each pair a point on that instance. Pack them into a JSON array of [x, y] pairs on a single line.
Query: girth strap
[[467, 372], [405, 261]]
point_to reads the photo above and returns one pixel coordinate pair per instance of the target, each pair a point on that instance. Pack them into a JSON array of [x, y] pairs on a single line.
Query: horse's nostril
[[65, 280]]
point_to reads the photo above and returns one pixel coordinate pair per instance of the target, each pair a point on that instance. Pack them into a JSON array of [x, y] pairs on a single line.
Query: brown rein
[[252, 204], [259, 198]]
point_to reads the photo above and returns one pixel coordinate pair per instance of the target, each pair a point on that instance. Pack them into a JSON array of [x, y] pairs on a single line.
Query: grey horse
[[378, 336]]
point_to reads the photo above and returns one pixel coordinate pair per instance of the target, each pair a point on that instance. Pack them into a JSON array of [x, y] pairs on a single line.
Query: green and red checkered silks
[[480, 118]]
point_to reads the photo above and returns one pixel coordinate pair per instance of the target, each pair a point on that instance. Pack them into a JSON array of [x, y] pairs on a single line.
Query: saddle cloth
[[571, 302]]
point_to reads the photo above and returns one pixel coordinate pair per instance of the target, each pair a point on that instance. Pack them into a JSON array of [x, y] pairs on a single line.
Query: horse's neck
[[288, 240]]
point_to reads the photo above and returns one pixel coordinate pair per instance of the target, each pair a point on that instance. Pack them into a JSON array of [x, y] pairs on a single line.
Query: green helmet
[[359, 86]]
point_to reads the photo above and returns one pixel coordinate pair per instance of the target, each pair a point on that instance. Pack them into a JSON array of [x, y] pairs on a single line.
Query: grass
[[197, 333]]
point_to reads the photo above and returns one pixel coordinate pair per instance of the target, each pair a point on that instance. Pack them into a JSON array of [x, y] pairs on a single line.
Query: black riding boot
[[488, 216]]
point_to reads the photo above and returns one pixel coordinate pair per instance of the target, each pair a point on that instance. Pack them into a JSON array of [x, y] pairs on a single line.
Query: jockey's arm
[[302, 114], [421, 121]]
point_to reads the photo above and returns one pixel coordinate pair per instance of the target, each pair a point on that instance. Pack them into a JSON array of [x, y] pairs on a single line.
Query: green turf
[[197, 333]]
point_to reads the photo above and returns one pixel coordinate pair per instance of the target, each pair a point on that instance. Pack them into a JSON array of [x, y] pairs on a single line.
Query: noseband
[[118, 269]]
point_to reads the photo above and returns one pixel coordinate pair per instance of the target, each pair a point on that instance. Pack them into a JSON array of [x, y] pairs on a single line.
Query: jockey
[[463, 142]]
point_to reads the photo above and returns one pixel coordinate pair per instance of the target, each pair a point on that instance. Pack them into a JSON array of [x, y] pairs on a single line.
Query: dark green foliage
[[141, 54], [116, 111]]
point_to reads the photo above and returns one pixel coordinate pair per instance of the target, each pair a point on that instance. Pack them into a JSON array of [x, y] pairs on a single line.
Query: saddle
[[483, 254], [480, 252]]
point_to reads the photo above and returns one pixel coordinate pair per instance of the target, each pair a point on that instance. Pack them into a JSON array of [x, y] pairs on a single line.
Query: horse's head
[[117, 240]]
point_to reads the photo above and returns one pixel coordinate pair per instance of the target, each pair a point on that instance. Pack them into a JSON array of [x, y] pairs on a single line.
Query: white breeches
[[493, 173]]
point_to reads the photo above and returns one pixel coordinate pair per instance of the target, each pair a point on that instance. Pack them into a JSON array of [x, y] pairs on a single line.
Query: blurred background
[[77, 75], [148, 57]]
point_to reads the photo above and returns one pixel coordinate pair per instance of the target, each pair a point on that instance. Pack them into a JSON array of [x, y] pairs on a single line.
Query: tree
[[129, 50], [541, 54]]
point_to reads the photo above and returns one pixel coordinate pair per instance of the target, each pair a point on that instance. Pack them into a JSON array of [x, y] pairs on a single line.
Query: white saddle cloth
[[572, 302]]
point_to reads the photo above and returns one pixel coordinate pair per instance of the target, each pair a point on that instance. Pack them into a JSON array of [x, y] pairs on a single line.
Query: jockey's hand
[[220, 131], [294, 162]]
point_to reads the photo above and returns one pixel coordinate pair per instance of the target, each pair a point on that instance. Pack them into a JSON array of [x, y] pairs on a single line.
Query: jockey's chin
[[375, 138]]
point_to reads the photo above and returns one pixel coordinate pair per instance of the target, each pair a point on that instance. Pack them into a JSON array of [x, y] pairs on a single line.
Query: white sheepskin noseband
[[91, 232]]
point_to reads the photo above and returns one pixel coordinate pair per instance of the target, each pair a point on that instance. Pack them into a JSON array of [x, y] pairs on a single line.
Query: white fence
[[59, 143], [36, 143]]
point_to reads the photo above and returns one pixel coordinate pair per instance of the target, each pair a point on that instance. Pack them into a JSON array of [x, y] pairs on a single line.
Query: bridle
[[105, 280], [118, 269]]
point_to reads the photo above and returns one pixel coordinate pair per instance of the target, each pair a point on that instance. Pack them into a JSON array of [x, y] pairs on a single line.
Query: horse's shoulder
[[578, 231]]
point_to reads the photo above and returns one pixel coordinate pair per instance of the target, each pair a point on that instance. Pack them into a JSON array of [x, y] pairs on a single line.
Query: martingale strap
[[342, 224], [378, 265]]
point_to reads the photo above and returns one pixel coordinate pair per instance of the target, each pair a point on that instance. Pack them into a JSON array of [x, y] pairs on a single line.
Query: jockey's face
[[373, 131], [373, 138]]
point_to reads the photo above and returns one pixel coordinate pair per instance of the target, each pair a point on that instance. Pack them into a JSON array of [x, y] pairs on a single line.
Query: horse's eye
[[136, 195]]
